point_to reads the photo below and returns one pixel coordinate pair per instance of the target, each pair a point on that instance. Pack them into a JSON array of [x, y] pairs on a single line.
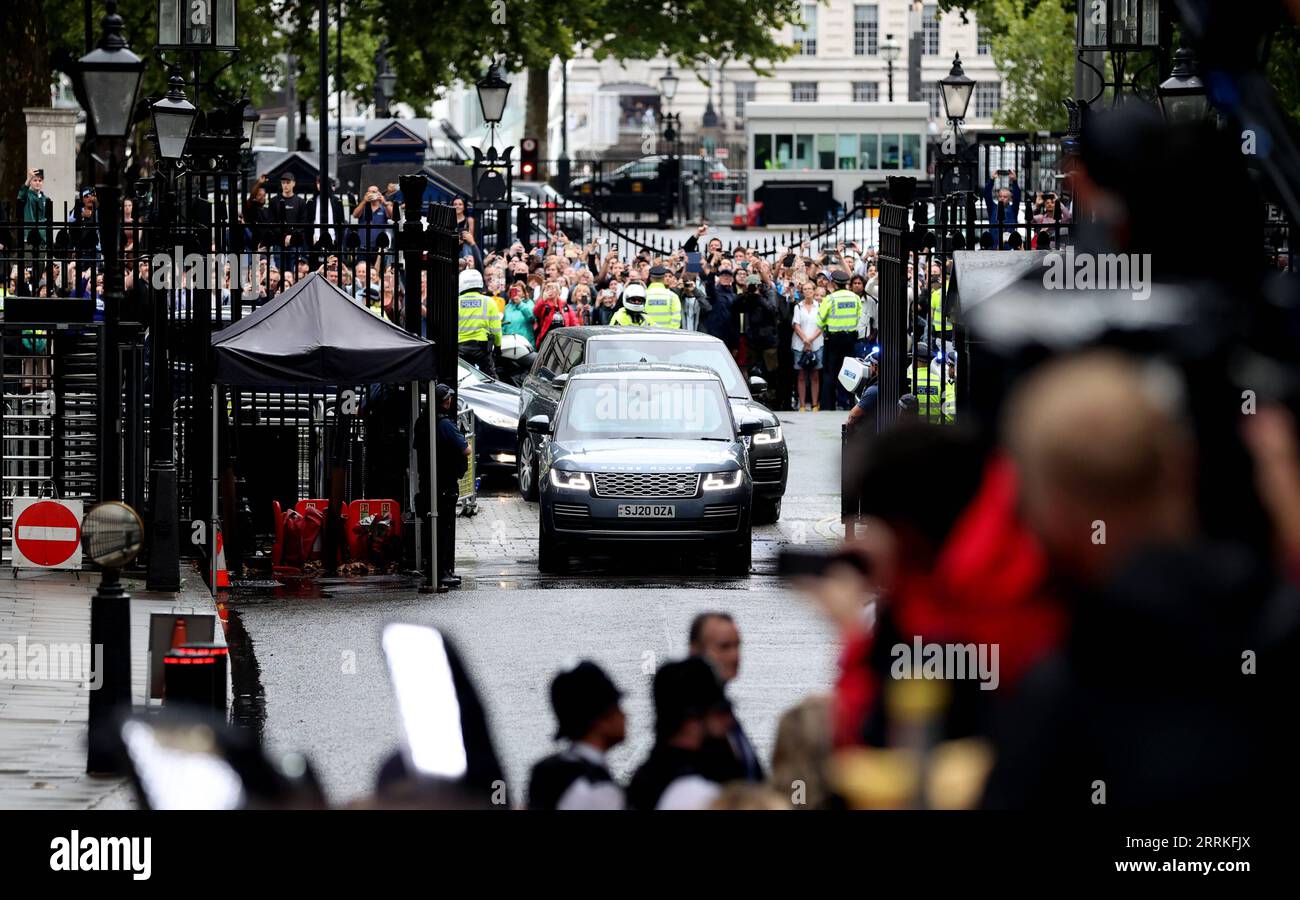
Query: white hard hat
[[634, 297], [514, 346], [471, 280]]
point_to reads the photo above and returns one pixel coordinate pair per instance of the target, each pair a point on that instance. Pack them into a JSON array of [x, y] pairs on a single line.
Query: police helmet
[[634, 297], [471, 280]]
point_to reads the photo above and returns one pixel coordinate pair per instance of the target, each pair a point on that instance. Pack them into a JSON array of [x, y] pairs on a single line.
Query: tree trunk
[[27, 83], [537, 113]]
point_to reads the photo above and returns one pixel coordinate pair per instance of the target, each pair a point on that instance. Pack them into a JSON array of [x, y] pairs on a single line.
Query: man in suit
[[716, 639], [322, 224], [589, 717]]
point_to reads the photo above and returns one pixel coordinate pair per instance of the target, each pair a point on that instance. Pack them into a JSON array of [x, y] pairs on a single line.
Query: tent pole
[[413, 473], [432, 581], [212, 558]]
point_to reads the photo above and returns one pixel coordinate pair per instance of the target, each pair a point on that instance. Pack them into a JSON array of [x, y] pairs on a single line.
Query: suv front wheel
[[526, 467]]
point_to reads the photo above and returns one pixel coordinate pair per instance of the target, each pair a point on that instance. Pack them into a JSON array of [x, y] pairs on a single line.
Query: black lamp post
[[672, 132], [196, 25], [111, 80], [492, 175], [1182, 95], [173, 117], [385, 80], [890, 50], [1119, 27], [956, 89]]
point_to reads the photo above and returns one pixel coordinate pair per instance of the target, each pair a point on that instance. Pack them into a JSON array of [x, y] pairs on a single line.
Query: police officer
[[662, 305], [633, 310], [453, 462], [924, 383], [480, 323], [838, 318], [589, 717]]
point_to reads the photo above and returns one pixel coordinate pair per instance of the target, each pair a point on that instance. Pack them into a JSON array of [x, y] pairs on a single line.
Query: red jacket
[[986, 587]]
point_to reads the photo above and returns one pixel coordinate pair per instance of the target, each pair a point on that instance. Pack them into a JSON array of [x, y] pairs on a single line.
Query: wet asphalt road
[[310, 673]]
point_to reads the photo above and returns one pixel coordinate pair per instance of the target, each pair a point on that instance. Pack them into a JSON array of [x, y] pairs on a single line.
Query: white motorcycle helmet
[[634, 297], [514, 346], [471, 280]]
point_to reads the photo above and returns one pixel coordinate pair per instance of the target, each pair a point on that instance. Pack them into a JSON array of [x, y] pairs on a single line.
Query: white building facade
[[837, 60]]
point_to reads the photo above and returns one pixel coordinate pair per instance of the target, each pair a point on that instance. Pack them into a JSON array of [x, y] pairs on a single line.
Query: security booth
[[315, 338], [845, 144]]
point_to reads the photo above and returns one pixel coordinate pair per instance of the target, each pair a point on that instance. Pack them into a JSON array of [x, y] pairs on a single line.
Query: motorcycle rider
[[633, 309]]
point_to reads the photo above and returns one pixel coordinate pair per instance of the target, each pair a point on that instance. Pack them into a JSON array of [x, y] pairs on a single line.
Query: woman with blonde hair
[[802, 754]]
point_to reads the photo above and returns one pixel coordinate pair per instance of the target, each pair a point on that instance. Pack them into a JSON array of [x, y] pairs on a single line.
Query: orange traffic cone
[[739, 215], [223, 575], [180, 634]]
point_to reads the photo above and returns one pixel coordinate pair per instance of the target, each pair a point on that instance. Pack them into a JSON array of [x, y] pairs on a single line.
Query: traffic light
[[528, 166]]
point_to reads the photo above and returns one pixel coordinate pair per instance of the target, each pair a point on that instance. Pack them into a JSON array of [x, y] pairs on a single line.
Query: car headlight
[[497, 419], [577, 481], [716, 481], [769, 436]]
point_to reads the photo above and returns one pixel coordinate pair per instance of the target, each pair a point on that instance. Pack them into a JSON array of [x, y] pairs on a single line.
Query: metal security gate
[[49, 420]]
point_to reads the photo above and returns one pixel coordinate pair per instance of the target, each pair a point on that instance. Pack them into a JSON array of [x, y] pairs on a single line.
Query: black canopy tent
[[315, 336]]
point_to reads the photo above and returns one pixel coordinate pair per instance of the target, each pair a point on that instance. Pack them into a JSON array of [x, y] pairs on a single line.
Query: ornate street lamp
[[1182, 95], [173, 118], [890, 50], [196, 25], [493, 90], [1119, 25], [956, 89], [250, 119], [111, 77], [668, 84]]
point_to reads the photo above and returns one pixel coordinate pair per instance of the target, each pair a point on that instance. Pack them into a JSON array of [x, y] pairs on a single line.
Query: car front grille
[[647, 485]]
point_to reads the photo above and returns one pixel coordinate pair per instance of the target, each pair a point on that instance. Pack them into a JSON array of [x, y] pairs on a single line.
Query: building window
[[930, 94], [803, 91], [805, 35], [983, 41], [988, 99], [930, 29], [866, 26], [866, 92], [744, 93]]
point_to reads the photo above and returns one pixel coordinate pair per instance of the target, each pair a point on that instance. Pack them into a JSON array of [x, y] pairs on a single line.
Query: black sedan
[[496, 417]]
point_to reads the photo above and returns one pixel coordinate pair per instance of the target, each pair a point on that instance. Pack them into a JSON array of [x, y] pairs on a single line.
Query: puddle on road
[[248, 707]]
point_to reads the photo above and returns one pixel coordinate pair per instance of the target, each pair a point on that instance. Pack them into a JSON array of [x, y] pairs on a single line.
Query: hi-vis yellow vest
[[936, 398], [662, 306], [480, 320], [839, 311]]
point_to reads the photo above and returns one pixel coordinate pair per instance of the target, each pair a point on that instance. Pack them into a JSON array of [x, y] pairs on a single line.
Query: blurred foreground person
[[715, 637], [1174, 686], [589, 717], [802, 755], [691, 717]]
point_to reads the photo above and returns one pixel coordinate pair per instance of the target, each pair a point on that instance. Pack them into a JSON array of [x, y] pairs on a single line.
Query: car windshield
[[632, 406], [709, 354], [467, 374]]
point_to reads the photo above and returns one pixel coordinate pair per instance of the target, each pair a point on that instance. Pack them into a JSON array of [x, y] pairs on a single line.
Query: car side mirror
[[539, 424], [545, 374], [757, 385], [560, 380], [748, 428]]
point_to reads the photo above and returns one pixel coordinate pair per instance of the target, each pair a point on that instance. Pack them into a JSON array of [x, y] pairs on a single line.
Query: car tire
[[767, 512], [551, 558], [526, 468], [737, 559]]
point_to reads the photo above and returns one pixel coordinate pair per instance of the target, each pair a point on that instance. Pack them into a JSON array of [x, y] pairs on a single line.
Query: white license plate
[[645, 511]]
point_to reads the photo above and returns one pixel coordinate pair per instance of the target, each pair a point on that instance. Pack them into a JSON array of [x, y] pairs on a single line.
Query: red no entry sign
[[47, 533]]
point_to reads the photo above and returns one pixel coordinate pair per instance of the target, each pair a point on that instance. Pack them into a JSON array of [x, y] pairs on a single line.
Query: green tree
[[1033, 47], [527, 35]]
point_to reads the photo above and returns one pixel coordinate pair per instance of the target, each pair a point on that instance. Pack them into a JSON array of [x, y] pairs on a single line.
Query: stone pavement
[[43, 713]]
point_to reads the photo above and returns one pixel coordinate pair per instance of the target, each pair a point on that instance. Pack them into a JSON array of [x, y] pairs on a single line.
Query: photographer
[[372, 218]]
